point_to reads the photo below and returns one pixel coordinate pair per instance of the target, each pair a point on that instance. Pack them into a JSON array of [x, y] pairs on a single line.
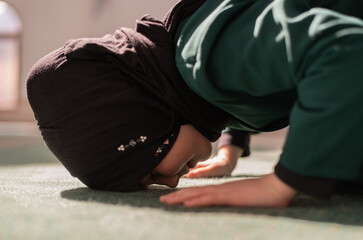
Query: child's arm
[[266, 191], [221, 165]]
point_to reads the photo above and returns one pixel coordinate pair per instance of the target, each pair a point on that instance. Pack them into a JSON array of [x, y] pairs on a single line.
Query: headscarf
[[110, 108]]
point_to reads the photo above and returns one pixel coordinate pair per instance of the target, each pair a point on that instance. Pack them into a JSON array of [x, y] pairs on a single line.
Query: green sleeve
[[326, 122]]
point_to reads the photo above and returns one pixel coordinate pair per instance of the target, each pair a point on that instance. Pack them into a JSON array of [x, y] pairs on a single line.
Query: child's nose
[[171, 182]]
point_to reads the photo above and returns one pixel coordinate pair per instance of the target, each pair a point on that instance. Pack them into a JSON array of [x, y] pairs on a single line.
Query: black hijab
[[110, 108]]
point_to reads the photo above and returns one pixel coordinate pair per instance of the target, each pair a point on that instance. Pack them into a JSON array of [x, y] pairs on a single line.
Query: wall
[[47, 24], [109, 15]]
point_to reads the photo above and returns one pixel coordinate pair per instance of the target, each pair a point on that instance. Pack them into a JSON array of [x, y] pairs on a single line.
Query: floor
[[40, 200]]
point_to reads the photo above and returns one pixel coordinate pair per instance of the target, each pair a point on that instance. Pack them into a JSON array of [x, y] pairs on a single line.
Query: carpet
[[40, 200]]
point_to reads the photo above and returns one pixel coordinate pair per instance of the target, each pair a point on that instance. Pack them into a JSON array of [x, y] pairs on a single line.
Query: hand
[[221, 165], [266, 191]]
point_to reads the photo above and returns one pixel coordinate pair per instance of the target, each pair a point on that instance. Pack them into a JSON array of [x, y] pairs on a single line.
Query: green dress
[[272, 63]]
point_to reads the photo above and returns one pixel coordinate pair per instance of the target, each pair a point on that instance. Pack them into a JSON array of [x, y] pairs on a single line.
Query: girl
[[141, 106]]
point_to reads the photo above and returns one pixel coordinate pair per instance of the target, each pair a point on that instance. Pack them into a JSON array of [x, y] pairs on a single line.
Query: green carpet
[[40, 200]]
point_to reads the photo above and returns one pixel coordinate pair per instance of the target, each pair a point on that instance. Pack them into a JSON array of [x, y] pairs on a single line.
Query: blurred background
[[29, 29]]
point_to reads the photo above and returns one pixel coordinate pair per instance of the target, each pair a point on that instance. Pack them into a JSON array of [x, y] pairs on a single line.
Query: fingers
[[203, 201], [210, 170], [180, 196], [256, 192], [202, 164], [201, 172], [212, 195], [193, 197], [215, 167]]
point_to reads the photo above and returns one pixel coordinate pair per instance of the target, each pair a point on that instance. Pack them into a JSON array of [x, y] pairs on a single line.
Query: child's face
[[189, 148]]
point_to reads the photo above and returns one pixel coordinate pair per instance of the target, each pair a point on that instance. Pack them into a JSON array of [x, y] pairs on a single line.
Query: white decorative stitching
[[132, 143]]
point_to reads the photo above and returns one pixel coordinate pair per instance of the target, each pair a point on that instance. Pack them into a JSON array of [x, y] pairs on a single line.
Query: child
[[120, 113]]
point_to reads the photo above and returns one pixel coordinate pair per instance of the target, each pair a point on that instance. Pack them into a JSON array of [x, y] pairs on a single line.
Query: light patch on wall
[[10, 32]]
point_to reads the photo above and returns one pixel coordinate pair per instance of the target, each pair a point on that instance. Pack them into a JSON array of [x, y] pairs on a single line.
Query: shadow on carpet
[[341, 209]]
